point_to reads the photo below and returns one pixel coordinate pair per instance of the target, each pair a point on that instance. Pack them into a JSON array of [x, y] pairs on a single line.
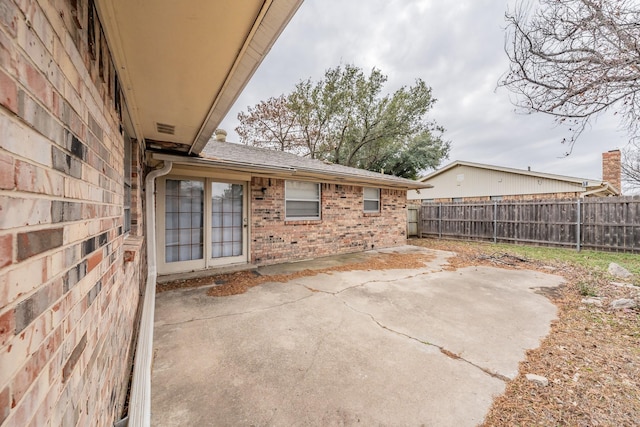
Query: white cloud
[[457, 49]]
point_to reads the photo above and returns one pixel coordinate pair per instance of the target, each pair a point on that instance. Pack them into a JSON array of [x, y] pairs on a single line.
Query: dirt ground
[[591, 358]]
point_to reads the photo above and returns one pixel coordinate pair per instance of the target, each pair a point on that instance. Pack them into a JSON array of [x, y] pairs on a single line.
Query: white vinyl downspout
[[140, 398]]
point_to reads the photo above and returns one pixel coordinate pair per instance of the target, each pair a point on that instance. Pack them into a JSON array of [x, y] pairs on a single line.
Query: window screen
[[302, 200], [371, 199]]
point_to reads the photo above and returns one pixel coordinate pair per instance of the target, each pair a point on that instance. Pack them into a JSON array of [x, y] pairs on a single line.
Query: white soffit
[[183, 63]]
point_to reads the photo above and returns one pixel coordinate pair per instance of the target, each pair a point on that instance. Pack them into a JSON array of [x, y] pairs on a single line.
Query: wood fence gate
[[413, 212]]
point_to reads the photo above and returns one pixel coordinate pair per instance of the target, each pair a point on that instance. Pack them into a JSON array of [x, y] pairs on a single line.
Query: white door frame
[[207, 262], [216, 262]]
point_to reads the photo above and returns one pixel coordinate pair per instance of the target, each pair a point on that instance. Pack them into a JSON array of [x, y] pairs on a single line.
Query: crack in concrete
[[443, 350], [379, 281], [336, 293], [220, 316]]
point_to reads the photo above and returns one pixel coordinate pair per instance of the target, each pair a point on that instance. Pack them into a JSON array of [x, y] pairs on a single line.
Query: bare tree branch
[[574, 59], [631, 165]]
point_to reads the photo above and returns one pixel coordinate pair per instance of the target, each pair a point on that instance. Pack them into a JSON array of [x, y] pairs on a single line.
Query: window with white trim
[[302, 200], [371, 199]]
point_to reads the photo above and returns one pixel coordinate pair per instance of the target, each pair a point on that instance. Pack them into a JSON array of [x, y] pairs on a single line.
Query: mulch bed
[[241, 281]]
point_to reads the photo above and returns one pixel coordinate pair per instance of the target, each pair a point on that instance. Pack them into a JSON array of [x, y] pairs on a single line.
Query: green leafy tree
[[345, 119]]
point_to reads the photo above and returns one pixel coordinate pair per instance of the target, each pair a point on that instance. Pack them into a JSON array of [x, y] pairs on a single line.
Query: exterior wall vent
[[585, 184], [165, 128]]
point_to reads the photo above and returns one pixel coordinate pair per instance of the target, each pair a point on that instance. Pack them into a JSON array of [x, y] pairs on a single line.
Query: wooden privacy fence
[[600, 223]]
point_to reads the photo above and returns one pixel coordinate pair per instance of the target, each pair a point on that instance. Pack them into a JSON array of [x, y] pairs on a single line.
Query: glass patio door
[[184, 209], [227, 221], [201, 224]]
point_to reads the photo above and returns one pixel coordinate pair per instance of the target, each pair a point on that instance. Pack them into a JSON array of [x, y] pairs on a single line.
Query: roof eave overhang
[[563, 178], [359, 180], [272, 20], [605, 189], [286, 172], [269, 23]]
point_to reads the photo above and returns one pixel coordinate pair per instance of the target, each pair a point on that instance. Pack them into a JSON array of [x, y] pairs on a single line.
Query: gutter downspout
[[140, 400]]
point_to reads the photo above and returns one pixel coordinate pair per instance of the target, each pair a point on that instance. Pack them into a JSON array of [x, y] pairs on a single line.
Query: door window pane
[[171, 237], [226, 219], [183, 219]]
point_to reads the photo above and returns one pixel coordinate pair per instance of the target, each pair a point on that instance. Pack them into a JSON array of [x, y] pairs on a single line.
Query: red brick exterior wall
[[344, 226], [68, 300]]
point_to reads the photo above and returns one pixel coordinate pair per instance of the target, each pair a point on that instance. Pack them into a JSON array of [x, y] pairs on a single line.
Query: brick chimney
[[611, 171]]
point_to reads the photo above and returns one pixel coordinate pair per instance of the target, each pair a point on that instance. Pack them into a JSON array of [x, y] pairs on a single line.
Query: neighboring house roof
[[260, 161], [182, 64], [481, 182]]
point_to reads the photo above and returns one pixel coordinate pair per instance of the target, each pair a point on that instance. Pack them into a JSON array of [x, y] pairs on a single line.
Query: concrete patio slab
[[395, 347]]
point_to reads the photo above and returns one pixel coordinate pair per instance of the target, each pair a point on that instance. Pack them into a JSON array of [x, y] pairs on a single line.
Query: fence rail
[[600, 223]]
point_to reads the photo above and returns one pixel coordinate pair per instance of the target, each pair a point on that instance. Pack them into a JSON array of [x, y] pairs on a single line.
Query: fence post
[[440, 220], [495, 222], [578, 226]]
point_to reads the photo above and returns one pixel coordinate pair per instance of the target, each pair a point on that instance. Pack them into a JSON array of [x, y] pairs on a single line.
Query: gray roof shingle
[[243, 155]]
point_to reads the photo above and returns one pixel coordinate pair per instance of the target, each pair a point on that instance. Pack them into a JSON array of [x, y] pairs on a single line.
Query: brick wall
[[541, 196], [67, 298], [344, 227], [612, 169]]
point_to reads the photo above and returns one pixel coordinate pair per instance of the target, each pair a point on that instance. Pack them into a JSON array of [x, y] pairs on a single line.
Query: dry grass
[[591, 357]]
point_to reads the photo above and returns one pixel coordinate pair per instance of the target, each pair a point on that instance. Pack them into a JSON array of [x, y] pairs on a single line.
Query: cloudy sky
[[457, 48]]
